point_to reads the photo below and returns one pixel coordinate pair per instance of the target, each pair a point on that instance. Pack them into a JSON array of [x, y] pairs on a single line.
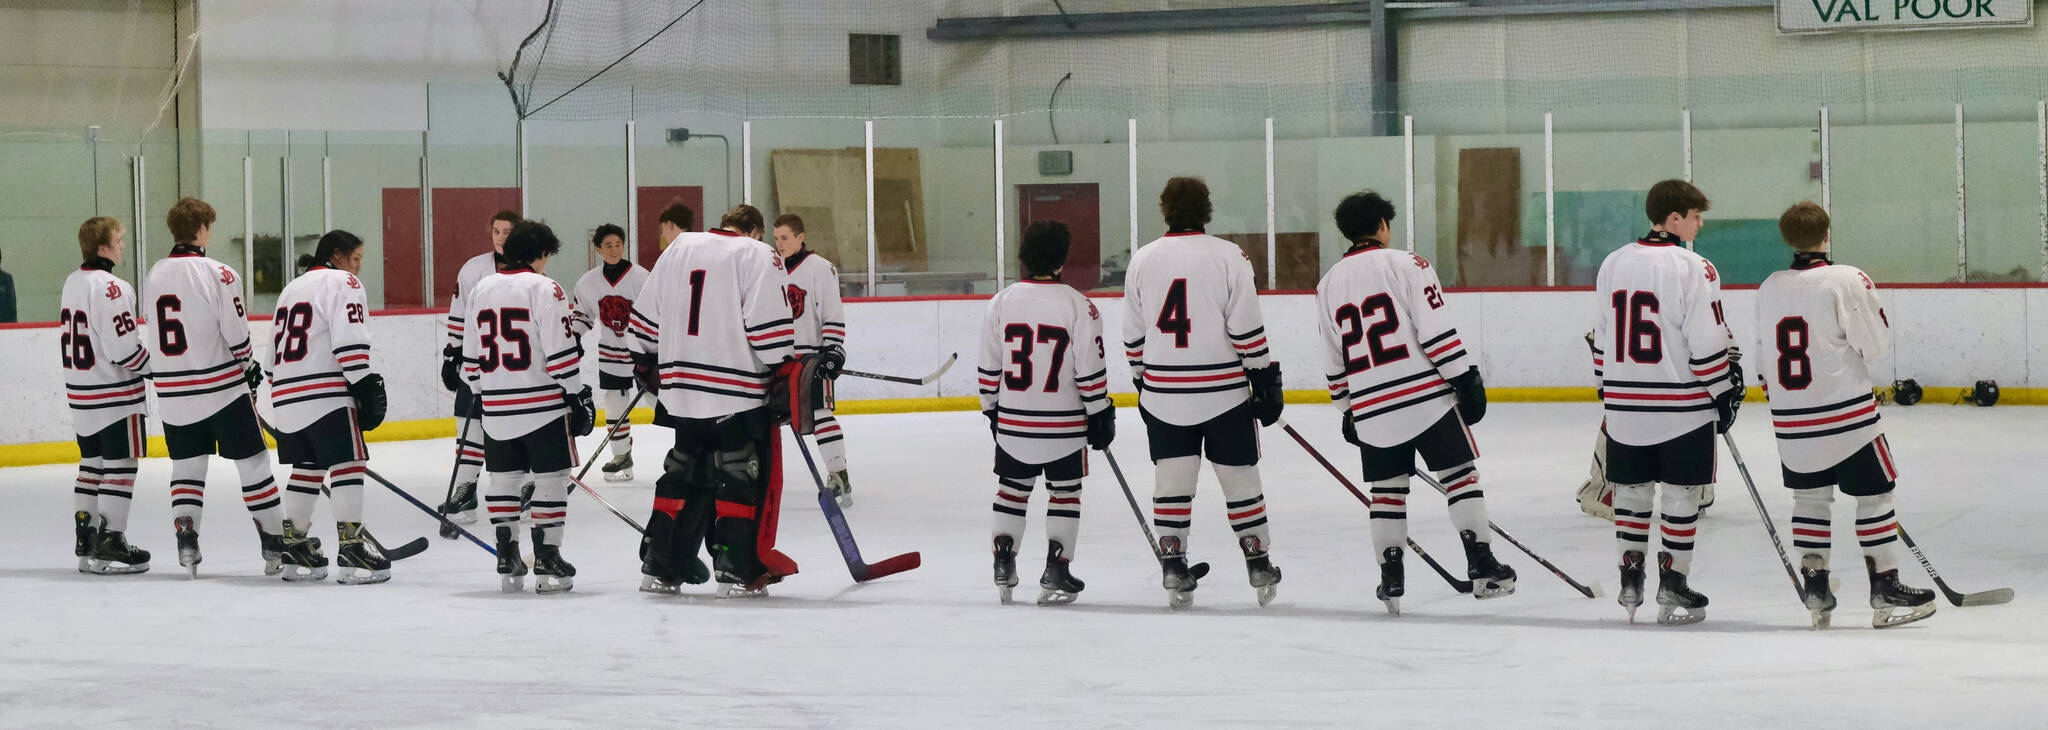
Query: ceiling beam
[[1153, 21]]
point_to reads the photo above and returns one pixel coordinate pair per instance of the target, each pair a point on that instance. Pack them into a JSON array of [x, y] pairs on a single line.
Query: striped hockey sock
[[1681, 508], [1467, 502], [1012, 503], [345, 484], [501, 499], [116, 492], [1812, 518], [188, 488], [1063, 514], [549, 509], [615, 412], [1173, 500], [1245, 500], [831, 441], [85, 492], [1632, 513], [469, 452], [259, 492], [301, 494], [1877, 528], [1389, 514]]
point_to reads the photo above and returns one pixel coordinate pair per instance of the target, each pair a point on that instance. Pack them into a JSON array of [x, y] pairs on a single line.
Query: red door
[[653, 198], [462, 229], [1079, 206], [402, 248]]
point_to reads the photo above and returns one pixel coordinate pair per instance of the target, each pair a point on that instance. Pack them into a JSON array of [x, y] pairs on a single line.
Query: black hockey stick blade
[[1956, 598], [926, 380], [1198, 569], [1461, 586], [1592, 591], [417, 546], [1457, 584]]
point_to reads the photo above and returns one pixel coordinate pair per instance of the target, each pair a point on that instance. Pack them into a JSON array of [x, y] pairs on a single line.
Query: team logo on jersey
[[796, 296], [612, 312], [1092, 314], [1420, 262], [777, 260], [1711, 273], [558, 293], [1867, 283], [227, 277], [113, 290], [353, 284]]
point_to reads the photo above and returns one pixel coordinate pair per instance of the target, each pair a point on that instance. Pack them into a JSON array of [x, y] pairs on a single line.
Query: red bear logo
[[612, 312], [797, 298]]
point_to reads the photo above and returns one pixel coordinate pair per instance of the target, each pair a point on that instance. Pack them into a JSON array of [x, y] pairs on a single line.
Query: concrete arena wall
[[1942, 337]]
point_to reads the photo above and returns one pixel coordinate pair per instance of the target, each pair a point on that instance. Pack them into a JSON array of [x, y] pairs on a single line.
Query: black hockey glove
[[646, 374], [1731, 401], [1350, 429], [1471, 396], [371, 402], [831, 358], [990, 414], [253, 374], [582, 413], [451, 369], [1266, 395], [1102, 428]]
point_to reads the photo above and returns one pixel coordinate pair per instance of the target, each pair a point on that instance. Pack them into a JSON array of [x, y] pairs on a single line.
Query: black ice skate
[[114, 556], [657, 577], [1265, 576], [460, 509], [88, 537], [188, 545], [1815, 589], [1631, 593], [551, 574], [273, 550], [619, 469], [302, 559], [1056, 586], [1893, 603], [359, 561], [511, 568], [1490, 579], [1393, 580], [842, 488], [1677, 603], [1175, 576], [1005, 548]]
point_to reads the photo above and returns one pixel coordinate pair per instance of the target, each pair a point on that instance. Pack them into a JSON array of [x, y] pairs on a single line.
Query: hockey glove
[[1266, 395], [582, 413], [1731, 401], [253, 374], [451, 369], [371, 402], [1102, 428], [1350, 429], [646, 374], [831, 357], [1471, 396]]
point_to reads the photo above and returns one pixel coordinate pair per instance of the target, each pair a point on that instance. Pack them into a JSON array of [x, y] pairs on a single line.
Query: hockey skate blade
[[361, 576], [619, 476], [512, 583], [192, 571], [298, 574], [845, 501], [1003, 594], [103, 567], [1885, 619], [1049, 597], [1821, 620], [1178, 600], [657, 586], [1393, 605], [1678, 616], [735, 590], [1495, 591], [548, 585], [273, 565], [85, 564], [1266, 594]]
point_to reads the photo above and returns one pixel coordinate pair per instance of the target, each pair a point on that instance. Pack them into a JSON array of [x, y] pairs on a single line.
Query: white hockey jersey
[[518, 353], [1819, 326], [814, 302], [1041, 369], [1389, 345], [473, 272], [1192, 327], [202, 335], [1660, 347], [605, 301], [103, 356], [716, 317], [319, 344]]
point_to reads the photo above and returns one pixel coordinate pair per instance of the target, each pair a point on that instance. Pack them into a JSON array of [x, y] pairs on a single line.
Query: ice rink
[[440, 646]]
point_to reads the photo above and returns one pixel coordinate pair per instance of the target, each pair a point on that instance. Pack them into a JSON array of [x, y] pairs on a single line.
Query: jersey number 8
[[1795, 367]]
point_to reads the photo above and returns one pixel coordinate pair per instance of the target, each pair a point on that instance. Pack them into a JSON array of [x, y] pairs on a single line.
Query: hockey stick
[[862, 571], [1457, 584], [926, 380], [456, 468], [1769, 526], [1592, 592], [1198, 570], [429, 510], [1991, 597], [416, 546], [578, 481], [637, 393]]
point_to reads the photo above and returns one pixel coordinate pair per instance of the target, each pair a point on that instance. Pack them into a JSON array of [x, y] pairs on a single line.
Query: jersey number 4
[[1173, 315], [497, 326], [1020, 355], [1351, 318]]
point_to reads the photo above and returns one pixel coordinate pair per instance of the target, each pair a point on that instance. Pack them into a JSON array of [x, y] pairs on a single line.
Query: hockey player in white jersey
[[820, 321], [1045, 391], [1821, 323], [1404, 384], [525, 367], [104, 363], [206, 383], [1195, 340], [712, 337], [604, 300], [1661, 353], [323, 396], [461, 503]]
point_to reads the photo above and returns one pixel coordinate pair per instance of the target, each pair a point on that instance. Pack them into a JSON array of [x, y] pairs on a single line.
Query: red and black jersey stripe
[[97, 397], [1041, 424], [523, 401], [305, 388], [1250, 345], [1184, 379], [1396, 394], [772, 334], [205, 381], [713, 379], [1826, 420]]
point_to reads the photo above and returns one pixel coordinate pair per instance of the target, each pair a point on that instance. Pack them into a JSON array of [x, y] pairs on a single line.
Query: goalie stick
[[1198, 570], [926, 380], [416, 546], [1991, 597], [1593, 592], [861, 571], [1457, 584]]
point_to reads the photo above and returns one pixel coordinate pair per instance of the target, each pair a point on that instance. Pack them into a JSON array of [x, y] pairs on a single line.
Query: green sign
[[1829, 16]]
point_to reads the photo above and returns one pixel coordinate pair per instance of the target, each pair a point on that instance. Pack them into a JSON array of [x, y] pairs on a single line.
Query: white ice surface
[[439, 646]]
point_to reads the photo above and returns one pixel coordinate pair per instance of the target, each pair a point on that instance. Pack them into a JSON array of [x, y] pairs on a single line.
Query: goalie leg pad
[[748, 474], [682, 512]]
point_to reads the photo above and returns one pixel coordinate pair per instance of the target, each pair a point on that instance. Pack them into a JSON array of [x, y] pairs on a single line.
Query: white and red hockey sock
[[259, 492], [85, 493], [549, 508], [345, 487], [1173, 500], [1388, 515], [116, 492], [1467, 502], [1681, 508], [831, 441], [469, 451], [1877, 528], [1245, 500], [616, 415], [188, 488], [301, 494], [1812, 522], [1063, 514], [1632, 513], [1012, 503], [501, 499]]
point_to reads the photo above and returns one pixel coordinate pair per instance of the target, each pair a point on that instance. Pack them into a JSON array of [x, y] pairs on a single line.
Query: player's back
[[472, 273], [202, 335], [102, 354], [1661, 347], [1818, 325], [1041, 368], [1383, 322], [1192, 326], [319, 335], [519, 350], [716, 314]]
